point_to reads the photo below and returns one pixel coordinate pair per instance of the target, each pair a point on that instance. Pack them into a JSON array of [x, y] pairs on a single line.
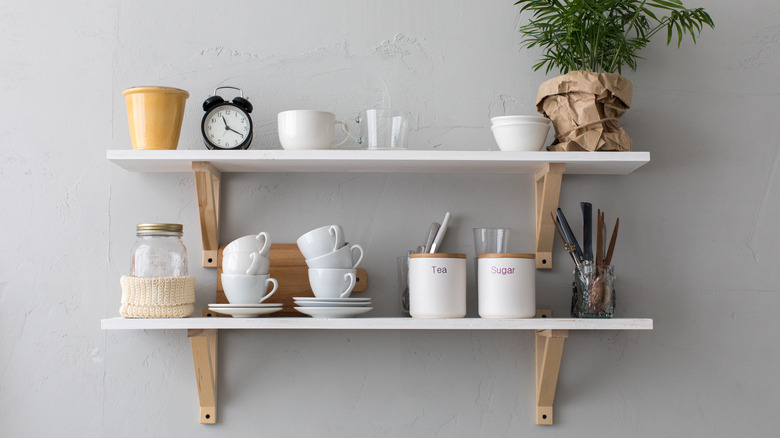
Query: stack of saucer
[[245, 310], [332, 307]]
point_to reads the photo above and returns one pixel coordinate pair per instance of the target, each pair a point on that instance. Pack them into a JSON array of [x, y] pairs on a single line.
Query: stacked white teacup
[[245, 277], [332, 274]]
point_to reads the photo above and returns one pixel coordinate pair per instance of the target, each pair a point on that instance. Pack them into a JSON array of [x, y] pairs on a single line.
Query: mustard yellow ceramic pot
[[155, 115]]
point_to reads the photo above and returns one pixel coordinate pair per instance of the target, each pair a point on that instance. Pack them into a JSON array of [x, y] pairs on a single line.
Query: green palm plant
[[604, 35]]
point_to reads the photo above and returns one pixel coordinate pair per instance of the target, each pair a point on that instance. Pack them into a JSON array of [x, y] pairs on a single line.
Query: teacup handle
[[352, 282], [344, 128], [334, 231], [267, 243], [276, 286], [255, 256], [360, 248]]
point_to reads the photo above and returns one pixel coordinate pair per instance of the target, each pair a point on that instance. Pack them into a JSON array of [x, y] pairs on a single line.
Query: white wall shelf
[[380, 161], [272, 323]]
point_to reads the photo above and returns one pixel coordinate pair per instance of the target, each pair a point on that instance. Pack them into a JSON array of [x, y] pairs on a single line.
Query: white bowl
[[503, 120], [521, 136]]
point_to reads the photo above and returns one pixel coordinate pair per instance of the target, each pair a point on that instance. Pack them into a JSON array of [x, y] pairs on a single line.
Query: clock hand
[[225, 122], [231, 129]]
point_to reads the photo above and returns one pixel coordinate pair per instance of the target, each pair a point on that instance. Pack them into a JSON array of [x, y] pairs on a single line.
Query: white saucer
[[245, 306], [245, 312], [330, 304], [333, 300], [333, 312]]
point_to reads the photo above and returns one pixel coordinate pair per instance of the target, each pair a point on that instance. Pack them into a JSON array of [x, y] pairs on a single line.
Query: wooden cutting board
[[288, 267]]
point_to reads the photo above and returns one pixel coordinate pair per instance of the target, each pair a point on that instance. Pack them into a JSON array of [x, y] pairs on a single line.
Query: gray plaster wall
[[698, 249]]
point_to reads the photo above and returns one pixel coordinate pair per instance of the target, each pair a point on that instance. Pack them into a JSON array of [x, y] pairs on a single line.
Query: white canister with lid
[[506, 285], [437, 285]]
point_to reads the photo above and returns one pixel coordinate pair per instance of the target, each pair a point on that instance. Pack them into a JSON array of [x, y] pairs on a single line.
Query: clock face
[[227, 127]]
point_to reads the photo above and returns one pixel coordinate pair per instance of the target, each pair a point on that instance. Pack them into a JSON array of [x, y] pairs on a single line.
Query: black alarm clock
[[227, 125]]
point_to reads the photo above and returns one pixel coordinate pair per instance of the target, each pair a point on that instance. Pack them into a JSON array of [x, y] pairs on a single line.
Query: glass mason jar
[[159, 251], [593, 291]]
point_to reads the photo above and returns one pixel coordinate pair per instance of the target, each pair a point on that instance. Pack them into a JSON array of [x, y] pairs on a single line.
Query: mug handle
[[360, 248], [344, 128], [267, 245], [334, 231], [276, 286], [352, 282], [255, 256]]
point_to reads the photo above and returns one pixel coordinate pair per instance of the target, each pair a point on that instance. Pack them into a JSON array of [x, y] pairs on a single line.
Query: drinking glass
[[491, 240]]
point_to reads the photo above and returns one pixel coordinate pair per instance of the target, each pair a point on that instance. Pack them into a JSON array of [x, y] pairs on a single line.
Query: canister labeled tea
[[507, 285], [437, 285]]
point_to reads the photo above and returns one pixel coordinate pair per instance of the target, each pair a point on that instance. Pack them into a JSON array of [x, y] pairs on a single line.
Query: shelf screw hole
[[209, 416], [544, 261], [544, 416], [211, 260], [544, 316]]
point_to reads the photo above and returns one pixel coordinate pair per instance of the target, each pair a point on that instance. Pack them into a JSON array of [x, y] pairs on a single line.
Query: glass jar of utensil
[[593, 291]]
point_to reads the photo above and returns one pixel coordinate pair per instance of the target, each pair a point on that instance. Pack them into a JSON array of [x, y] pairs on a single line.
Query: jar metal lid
[[437, 255], [167, 228], [506, 255]]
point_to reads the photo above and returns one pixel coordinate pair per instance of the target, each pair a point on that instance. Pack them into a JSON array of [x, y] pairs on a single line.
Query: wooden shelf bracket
[[549, 349], [204, 355], [547, 191], [207, 183]]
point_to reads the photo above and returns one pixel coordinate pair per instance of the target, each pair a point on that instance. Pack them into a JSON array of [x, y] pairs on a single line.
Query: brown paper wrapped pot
[[155, 115], [585, 109]]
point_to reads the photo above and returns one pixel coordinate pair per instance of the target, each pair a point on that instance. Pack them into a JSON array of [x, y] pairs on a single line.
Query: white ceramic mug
[[321, 241], [506, 285], [332, 283], [254, 243], [245, 263], [247, 289], [340, 258], [306, 129], [437, 285]]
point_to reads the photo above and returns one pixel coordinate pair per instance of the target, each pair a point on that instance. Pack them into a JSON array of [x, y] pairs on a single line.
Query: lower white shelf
[[269, 323]]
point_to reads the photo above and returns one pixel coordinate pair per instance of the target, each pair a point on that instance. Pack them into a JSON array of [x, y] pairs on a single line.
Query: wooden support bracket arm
[[547, 191], [204, 356], [207, 183], [549, 349]]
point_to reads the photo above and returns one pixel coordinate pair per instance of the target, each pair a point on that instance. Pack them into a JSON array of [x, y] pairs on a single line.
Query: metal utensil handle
[[587, 230], [569, 234], [431, 236]]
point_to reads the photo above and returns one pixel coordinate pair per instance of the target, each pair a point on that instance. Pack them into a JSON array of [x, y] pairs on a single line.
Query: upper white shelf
[[380, 161], [378, 323]]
